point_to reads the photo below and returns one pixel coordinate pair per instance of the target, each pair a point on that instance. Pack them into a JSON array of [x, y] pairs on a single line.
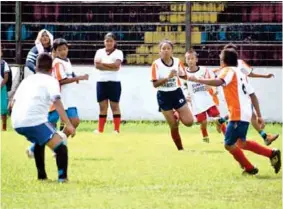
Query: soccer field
[[138, 169]]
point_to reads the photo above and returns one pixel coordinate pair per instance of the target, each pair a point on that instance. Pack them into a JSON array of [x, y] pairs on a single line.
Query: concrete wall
[[138, 100]]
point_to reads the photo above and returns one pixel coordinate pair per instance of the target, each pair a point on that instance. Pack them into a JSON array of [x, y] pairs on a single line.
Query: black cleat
[[275, 160], [254, 171]]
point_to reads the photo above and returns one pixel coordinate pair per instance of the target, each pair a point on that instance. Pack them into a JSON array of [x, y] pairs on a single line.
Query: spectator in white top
[[108, 61]]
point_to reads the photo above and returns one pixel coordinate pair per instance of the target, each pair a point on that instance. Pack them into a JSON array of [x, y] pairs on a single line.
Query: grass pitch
[[139, 169]]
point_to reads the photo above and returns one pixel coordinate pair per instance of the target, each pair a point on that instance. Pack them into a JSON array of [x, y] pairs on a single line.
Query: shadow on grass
[[266, 177], [93, 159]]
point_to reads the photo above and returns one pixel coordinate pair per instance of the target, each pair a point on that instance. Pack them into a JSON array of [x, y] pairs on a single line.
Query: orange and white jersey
[[159, 70], [201, 100], [62, 70], [237, 92]]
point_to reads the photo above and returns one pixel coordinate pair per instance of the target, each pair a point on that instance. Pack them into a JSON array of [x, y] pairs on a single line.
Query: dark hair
[[110, 35], [230, 46], [230, 57], [166, 41], [59, 42], [44, 62], [191, 51]]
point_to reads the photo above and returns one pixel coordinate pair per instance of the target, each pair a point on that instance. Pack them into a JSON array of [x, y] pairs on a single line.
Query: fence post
[[18, 33], [188, 25]]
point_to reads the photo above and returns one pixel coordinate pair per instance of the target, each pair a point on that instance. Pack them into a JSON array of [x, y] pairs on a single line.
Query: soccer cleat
[[63, 180], [30, 153], [97, 132], [205, 139], [275, 160], [270, 138], [218, 127], [254, 171], [116, 132]]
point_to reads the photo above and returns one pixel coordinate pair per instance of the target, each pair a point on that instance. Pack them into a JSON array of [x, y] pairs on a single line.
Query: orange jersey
[[237, 92]]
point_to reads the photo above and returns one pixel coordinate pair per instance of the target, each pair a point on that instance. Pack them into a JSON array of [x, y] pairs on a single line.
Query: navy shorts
[[71, 112], [40, 134], [171, 100], [236, 130], [110, 90]]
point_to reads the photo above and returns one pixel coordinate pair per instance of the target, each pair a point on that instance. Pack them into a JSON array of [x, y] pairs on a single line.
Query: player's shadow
[[93, 159], [266, 177]]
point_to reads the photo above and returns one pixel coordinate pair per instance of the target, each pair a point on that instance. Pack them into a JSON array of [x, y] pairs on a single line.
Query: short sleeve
[[209, 74], [54, 90], [6, 68], [119, 56], [226, 75], [245, 68], [154, 76], [60, 73], [97, 55], [181, 69]]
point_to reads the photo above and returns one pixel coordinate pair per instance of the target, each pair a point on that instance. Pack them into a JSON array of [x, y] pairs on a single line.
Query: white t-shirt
[[104, 57], [201, 99], [33, 99], [159, 70], [244, 67], [6, 70], [63, 69]]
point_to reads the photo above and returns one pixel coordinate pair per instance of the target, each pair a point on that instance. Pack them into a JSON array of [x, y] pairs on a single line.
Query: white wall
[[138, 100]]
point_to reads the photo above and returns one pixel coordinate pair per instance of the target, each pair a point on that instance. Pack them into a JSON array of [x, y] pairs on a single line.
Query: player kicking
[[248, 71], [31, 104], [165, 75], [239, 96], [201, 101]]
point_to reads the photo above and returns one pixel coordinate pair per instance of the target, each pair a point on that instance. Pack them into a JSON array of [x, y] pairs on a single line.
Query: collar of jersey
[[194, 71], [62, 59], [166, 64]]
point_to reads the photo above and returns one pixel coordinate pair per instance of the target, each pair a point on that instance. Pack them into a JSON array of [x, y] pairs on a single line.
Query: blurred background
[[256, 27]]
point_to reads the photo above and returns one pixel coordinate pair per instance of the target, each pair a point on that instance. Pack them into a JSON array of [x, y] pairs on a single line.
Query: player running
[[201, 101], [165, 75], [239, 96]]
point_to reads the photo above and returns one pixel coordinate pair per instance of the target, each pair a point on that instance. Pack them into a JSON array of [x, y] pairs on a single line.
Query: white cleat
[[116, 132], [30, 153], [97, 132]]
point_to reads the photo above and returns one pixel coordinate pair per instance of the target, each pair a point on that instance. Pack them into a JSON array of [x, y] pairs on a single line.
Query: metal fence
[[256, 27]]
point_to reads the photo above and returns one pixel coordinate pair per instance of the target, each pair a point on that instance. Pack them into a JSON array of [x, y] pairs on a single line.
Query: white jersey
[[33, 99], [159, 70], [62, 69], [244, 67], [201, 100], [104, 57]]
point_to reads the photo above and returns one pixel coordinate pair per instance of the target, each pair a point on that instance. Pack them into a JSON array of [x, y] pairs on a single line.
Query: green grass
[[140, 168]]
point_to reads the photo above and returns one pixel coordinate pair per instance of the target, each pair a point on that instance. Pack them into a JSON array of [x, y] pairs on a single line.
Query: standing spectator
[[43, 43]]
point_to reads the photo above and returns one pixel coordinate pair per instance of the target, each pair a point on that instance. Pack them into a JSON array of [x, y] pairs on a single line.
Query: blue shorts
[[236, 130], [171, 100], [71, 112], [110, 90], [40, 134]]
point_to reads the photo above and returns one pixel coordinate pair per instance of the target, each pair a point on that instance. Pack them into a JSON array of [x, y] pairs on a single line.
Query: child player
[[202, 102], [240, 96], [30, 108]]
